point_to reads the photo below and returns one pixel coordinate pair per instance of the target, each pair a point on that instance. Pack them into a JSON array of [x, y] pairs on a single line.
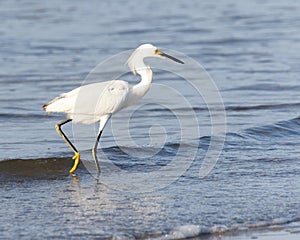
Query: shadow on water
[[36, 169]]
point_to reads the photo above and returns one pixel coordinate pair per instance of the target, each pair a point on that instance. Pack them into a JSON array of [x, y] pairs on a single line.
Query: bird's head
[[147, 50]]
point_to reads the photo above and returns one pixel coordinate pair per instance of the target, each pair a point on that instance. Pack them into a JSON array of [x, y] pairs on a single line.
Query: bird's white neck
[[146, 76], [140, 89], [137, 66]]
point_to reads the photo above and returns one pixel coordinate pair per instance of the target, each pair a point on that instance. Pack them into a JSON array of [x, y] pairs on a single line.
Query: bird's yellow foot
[[76, 158]]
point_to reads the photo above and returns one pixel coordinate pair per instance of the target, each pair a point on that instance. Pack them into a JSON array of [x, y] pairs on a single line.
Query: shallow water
[[251, 52]]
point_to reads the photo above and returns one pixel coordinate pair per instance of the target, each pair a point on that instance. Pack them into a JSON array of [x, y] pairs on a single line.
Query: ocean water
[[250, 51]]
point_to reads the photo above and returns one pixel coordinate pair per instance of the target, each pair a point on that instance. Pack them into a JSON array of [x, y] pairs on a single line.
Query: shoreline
[[289, 231]]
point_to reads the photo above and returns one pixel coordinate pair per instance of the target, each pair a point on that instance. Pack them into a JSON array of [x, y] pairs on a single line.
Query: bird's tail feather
[[45, 106], [59, 104]]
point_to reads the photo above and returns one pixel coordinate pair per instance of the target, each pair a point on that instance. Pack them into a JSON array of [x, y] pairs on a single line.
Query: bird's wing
[[113, 98], [86, 104], [99, 99]]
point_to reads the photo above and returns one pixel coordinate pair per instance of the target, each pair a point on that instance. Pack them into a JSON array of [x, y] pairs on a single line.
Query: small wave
[[146, 149], [289, 128], [265, 87], [224, 41], [204, 108], [41, 168], [51, 48], [263, 107], [23, 116], [193, 231], [283, 129]]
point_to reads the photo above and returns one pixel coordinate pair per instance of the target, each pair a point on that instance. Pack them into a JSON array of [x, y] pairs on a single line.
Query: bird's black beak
[[160, 53]]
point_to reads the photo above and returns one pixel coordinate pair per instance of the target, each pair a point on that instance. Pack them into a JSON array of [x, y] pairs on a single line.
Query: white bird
[[98, 101]]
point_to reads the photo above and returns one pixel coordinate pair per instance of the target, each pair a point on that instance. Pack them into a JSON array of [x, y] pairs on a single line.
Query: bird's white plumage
[[89, 103], [136, 61], [63, 103]]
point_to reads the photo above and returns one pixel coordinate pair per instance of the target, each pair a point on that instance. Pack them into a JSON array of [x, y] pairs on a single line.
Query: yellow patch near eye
[[158, 52]]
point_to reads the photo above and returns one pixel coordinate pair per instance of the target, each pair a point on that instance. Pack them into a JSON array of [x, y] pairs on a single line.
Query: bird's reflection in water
[[104, 206]]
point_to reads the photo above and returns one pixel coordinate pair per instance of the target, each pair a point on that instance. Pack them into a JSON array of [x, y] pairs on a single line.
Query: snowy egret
[[106, 98]]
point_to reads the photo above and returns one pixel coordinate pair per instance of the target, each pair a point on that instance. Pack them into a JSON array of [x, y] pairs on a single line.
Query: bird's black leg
[[94, 152], [76, 156], [103, 121]]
